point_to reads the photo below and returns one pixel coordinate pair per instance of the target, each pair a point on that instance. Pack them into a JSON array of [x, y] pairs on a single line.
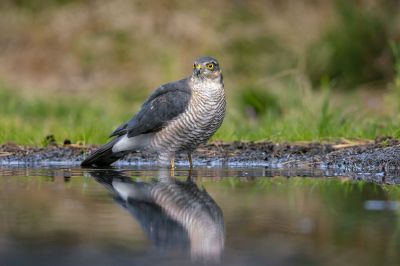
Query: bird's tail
[[104, 155]]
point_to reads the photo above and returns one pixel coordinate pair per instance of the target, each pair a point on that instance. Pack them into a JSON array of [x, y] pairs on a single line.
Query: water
[[215, 216]]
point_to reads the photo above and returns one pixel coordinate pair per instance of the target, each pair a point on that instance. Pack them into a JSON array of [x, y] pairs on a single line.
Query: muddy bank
[[377, 161]]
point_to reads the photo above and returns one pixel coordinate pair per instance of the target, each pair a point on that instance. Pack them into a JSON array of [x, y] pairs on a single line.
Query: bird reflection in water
[[173, 213]]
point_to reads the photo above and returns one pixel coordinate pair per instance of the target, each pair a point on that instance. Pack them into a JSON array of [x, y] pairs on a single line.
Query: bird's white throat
[[209, 87]]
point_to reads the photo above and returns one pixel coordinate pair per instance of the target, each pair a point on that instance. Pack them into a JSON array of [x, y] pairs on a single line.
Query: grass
[[80, 78], [303, 115], [348, 51], [29, 121]]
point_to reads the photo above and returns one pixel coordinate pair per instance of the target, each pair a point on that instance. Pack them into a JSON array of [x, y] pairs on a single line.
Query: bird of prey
[[174, 214], [177, 117]]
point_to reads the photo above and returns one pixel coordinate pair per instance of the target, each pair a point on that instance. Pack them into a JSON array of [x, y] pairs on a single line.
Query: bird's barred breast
[[196, 125]]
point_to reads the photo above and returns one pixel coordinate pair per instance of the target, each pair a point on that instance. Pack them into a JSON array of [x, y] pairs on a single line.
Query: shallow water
[[62, 216]]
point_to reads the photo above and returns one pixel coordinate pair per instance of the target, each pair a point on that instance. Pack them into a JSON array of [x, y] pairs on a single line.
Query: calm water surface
[[59, 216]]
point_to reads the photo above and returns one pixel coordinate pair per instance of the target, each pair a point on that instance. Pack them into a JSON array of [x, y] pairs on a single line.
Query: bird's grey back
[[163, 105]]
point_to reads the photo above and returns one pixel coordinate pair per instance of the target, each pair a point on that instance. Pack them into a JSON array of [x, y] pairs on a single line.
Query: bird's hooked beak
[[197, 69]]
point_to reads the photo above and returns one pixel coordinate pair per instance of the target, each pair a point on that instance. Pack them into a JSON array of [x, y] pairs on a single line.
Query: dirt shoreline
[[376, 161]]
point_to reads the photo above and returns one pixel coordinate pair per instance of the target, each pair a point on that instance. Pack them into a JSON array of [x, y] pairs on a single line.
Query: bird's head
[[207, 68]]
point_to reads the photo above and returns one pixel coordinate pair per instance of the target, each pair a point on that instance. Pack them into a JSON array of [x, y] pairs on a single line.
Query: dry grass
[[95, 45]]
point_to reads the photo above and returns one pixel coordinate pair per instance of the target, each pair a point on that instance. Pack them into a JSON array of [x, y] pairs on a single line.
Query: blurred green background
[[293, 70]]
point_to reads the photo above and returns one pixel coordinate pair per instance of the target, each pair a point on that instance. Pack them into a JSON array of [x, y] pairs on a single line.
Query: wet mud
[[376, 161]]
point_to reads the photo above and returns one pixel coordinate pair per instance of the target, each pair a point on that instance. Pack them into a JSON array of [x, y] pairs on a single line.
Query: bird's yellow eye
[[210, 66]]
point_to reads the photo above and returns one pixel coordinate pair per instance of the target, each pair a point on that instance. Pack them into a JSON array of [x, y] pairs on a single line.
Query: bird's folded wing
[[165, 104]]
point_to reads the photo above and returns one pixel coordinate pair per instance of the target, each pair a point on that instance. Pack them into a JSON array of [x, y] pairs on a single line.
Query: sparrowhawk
[[172, 212], [177, 117]]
